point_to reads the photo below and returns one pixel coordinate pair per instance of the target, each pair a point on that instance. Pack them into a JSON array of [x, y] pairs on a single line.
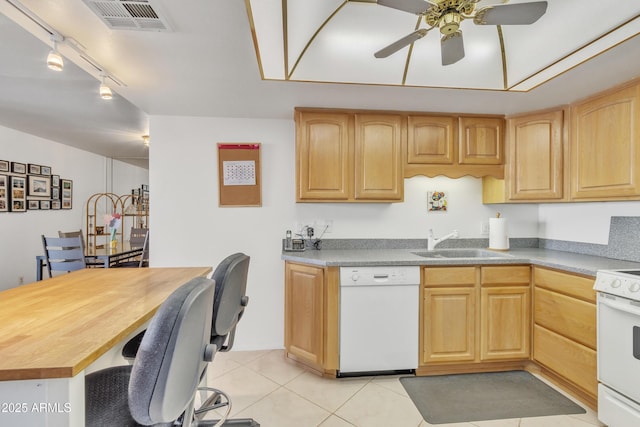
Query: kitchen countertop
[[567, 261]]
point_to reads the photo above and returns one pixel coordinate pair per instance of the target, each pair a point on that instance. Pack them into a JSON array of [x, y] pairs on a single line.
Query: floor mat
[[485, 396]]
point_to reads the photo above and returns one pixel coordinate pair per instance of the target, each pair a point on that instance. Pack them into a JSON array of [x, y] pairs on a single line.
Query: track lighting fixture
[[105, 91], [145, 140], [54, 59]]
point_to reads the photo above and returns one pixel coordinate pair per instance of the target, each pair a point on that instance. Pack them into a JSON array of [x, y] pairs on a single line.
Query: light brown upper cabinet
[[348, 157], [431, 139], [481, 141], [454, 146], [605, 146], [378, 157], [535, 160], [324, 153]]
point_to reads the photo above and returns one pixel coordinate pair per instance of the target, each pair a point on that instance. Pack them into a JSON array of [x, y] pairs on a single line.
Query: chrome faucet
[[432, 241]]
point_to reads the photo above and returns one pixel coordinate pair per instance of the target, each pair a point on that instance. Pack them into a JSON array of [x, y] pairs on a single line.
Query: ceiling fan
[[447, 16]]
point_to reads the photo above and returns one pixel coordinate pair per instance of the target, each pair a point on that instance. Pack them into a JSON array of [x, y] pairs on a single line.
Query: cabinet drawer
[[449, 276], [567, 316], [567, 358], [520, 275], [568, 284]]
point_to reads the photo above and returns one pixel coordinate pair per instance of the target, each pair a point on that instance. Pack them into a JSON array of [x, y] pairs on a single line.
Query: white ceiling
[[208, 66]]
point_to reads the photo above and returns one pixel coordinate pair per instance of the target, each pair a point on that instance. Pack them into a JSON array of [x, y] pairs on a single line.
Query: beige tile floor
[[276, 393]]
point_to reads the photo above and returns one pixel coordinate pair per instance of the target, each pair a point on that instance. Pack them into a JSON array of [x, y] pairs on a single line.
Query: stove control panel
[[618, 282]]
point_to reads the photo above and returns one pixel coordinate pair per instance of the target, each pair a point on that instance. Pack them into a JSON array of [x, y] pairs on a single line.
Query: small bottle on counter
[[288, 244]]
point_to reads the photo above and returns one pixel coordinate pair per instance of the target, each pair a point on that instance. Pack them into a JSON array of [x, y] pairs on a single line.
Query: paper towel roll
[[498, 238]]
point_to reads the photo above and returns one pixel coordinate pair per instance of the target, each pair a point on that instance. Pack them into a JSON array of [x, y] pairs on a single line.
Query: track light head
[[54, 59], [105, 91]]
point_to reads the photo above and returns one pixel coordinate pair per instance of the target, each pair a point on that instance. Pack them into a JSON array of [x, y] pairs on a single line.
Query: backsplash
[[624, 242]]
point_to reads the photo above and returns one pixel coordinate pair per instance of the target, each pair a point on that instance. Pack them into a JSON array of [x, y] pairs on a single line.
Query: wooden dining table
[[55, 331]]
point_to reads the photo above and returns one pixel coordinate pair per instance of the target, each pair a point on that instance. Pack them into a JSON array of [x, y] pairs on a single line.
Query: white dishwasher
[[379, 319]]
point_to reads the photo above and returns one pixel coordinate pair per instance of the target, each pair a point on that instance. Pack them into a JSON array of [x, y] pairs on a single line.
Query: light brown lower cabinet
[[472, 318], [311, 316], [564, 332], [475, 314]]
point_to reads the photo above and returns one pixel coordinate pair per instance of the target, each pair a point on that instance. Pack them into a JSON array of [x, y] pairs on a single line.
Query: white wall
[[90, 173], [582, 222], [190, 228]]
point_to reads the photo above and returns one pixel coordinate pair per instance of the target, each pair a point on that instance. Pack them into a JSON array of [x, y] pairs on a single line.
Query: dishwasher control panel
[[370, 276]]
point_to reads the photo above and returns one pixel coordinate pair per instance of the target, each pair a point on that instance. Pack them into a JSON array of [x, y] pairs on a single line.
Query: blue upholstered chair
[[160, 387]]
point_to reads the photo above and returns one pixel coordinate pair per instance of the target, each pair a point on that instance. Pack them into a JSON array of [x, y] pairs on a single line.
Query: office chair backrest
[[172, 355], [63, 253], [230, 300]]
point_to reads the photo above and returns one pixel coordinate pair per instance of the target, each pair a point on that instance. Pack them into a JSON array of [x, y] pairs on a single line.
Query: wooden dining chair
[[63, 253]]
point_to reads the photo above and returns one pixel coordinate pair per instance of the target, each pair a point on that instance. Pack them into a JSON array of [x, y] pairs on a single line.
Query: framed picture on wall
[[45, 204], [34, 205], [4, 193], [34, 169], [55, 204], [18, 194], [55, 180], [39, 186], [45, 170], [55, 193], [4, 166], [18, 167], [66, 185]]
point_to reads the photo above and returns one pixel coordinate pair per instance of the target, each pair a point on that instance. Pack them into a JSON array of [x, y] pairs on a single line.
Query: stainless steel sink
[[461, 253]]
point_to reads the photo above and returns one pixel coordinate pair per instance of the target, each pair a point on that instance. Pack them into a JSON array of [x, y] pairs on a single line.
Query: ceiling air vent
[[129, 15]]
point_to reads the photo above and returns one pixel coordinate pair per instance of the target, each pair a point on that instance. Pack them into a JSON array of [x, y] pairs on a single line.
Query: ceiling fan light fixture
[[450, 22]]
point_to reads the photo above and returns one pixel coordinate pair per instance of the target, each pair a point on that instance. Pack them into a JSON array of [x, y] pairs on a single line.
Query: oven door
[[619, 344]]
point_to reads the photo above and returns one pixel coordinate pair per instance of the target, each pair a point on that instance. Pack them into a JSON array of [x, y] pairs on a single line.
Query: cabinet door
[[505, 323], [448, 325], [605, 146], [430, 140], [481, 141], [378, 157], [324, 165], [536, 156], [304, 320]]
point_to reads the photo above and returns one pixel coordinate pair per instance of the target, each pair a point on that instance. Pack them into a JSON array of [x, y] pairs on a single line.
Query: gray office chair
[[228, 307], [160, 387], [63, 254]]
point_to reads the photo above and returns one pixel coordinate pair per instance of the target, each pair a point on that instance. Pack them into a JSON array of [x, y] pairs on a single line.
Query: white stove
[[623, 283], [618, 347]]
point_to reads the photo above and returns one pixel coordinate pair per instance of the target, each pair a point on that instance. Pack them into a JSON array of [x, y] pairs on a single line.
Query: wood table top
[[57, 327]]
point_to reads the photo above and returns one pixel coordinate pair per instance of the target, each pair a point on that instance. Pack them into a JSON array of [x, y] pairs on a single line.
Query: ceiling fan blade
[[511, 14], [452, 48], [397, 45], [412, 6]]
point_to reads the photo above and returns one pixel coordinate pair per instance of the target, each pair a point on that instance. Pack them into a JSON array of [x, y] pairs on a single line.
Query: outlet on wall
[[484, 228], [323, 226]]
